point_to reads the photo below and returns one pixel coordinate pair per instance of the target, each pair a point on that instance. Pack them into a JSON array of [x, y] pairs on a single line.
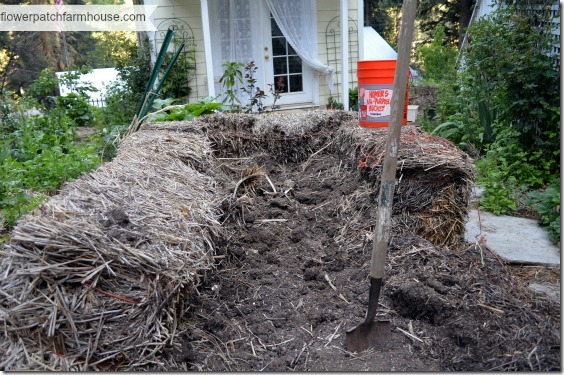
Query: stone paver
[[514, 239]]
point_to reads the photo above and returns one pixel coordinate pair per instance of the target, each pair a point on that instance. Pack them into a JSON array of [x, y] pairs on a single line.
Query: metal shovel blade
[[368, 335]]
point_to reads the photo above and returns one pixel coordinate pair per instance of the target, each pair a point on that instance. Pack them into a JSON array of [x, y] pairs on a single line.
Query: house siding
[[189, 11], [327, 10]]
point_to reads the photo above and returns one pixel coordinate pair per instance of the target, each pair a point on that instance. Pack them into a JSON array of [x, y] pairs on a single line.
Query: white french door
[[284, 66], [245, 31]]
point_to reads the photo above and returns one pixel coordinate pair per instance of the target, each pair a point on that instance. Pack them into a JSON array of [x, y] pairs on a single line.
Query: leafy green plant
[[334, 104], [353, 99], [438, 58], [36, 158], [547, 204], [507, 172], [276, 90], [453, 130], [256, 95], [165, 111], [232, 75]]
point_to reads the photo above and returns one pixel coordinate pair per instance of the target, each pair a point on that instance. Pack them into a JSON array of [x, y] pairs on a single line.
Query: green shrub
[[76, 107], [547, 204], [438, 59], [44, 89], [508, 64], [124, 95], [504, 103]]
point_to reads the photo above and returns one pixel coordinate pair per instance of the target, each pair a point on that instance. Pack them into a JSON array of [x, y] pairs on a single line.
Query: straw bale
[[433, 179], [287, 137], [98, 277]]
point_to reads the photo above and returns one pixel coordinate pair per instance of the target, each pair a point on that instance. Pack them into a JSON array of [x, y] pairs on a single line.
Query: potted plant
[[330, 103], [333, 104]]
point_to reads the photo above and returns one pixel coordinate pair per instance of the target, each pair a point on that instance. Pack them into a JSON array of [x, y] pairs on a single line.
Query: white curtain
[[294, 18], [236, 34]]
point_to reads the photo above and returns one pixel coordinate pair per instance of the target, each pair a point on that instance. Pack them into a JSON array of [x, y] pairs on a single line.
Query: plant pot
[[412, 113]]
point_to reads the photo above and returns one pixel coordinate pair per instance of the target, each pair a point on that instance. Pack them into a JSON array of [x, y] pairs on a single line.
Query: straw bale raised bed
[[99, 277]]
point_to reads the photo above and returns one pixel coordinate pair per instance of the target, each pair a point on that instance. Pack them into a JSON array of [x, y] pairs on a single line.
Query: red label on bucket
[[375, 103], [378, 102]]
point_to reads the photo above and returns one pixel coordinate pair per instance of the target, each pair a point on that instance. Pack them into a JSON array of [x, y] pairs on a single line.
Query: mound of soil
[[292, 277]]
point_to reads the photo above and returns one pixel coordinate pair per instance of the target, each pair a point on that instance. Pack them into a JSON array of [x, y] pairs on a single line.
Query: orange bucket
[[375, 89]]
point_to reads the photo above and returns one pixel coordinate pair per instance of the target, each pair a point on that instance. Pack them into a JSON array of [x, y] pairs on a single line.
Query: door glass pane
[[280, 65], [275, 29], [295, 64], [279, 46], [291, 51], [281, 80], [296, 83]]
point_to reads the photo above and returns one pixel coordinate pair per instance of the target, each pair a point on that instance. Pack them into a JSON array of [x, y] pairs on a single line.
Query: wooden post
[[388, 179]]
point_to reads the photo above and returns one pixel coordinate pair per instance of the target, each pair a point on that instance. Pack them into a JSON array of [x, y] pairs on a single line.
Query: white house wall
[[326, 11], [190, 12]]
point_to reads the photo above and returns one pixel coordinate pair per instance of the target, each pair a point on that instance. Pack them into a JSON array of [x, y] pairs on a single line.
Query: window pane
[[295, 64], [296, 83], [275, 29], [281, 79], [278, 46], [291, 51], [280, 65]]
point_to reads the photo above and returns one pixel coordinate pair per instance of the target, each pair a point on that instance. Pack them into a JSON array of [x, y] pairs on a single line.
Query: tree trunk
[[465, 11], [142, 36], [367, 12]]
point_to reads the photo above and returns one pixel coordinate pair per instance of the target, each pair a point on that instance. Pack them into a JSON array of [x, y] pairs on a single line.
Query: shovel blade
[[368, 335]]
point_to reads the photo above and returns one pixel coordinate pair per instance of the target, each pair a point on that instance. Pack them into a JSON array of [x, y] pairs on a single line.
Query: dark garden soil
[[292, 277]]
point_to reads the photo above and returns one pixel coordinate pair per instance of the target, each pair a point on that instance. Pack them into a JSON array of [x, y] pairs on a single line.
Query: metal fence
[[97, 102]]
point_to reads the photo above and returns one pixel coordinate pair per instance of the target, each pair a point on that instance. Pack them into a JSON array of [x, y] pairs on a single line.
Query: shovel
[[371, 333]]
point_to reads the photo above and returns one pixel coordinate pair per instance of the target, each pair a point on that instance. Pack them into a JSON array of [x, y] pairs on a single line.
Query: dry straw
[[97, 277]]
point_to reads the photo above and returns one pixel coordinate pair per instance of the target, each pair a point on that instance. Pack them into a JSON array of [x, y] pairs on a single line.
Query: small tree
[[438, 58]]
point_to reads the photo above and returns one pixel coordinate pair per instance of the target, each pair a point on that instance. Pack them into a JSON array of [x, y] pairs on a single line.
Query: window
[[286, 62]]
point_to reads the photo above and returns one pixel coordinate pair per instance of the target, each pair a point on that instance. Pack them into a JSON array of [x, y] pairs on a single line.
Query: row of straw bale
[[98, 277], [434, 179]]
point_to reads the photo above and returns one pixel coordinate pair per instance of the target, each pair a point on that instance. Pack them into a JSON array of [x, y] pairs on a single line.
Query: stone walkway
[[517, 241]]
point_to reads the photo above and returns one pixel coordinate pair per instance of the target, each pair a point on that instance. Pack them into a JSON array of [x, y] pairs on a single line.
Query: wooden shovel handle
[[388, 180]]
